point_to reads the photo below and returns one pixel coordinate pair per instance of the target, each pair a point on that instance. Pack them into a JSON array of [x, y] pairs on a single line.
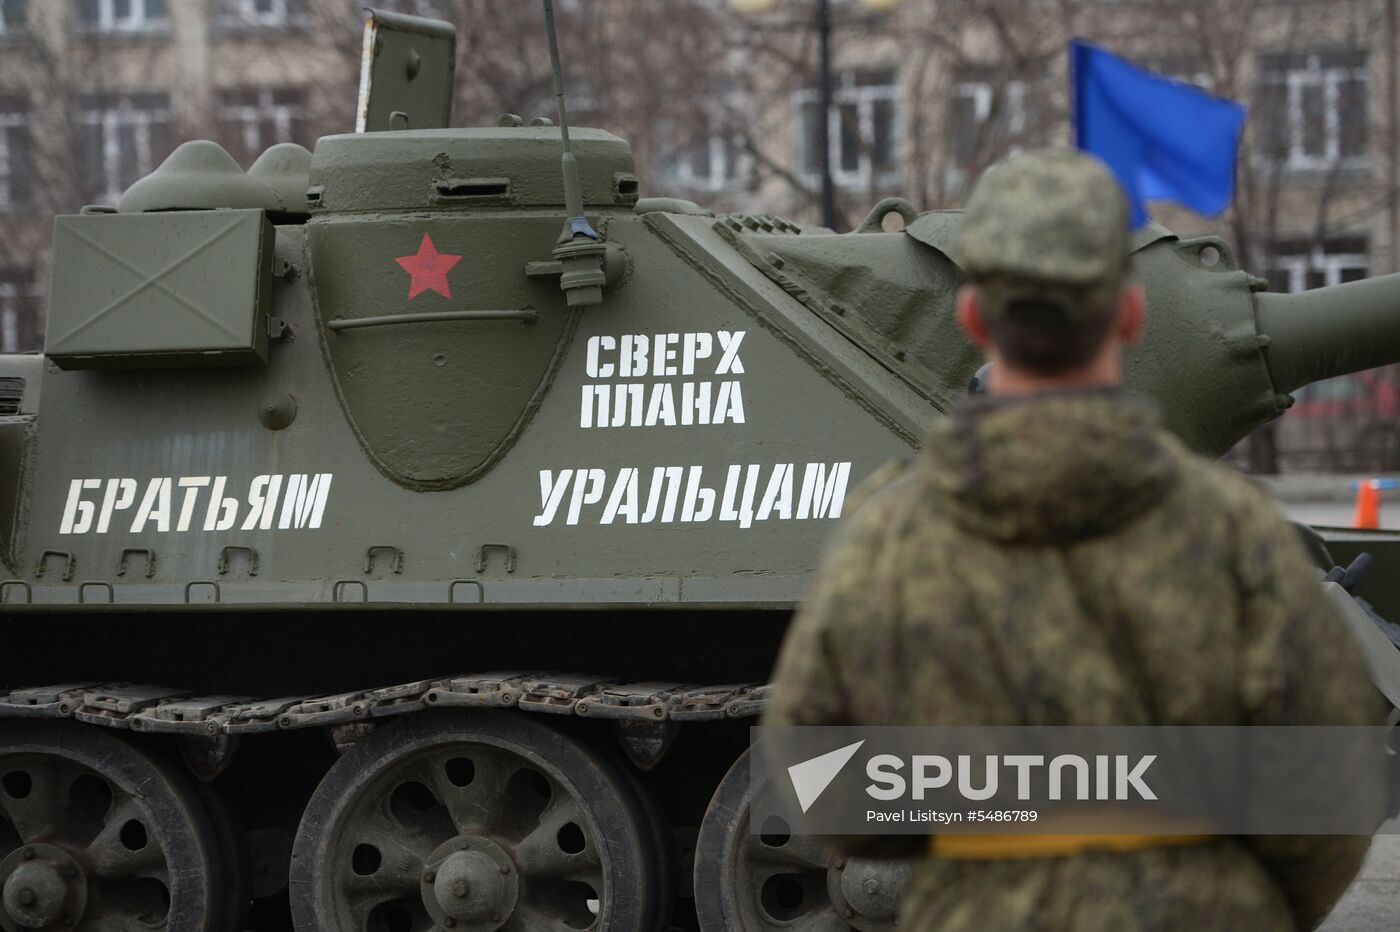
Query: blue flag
[[1163, 139]]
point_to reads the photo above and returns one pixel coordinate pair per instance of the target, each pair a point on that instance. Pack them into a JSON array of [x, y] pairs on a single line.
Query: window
[[1301, 266], [989, 122], [15, 328], [9, 317], [863, 124], [709, 153], [122, 15], [712, 160], [1313, 110], [12, 17], [260, 14], [1186, 70], [11, 391], [428, 9], [16, 165], [122, 138], [253, 120]]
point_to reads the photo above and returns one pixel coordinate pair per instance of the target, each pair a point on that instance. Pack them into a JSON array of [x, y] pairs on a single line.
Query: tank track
[[160, 710], [208, 728]]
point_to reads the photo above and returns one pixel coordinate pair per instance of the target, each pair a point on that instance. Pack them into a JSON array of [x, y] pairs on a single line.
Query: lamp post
[[824, 121], [825, 91]]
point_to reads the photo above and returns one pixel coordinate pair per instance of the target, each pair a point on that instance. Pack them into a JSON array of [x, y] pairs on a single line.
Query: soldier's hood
[[1049, 467]]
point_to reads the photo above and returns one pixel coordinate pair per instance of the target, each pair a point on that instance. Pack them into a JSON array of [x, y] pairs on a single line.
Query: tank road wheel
[[473, 822], [95, 836], [231, 843], [775, 880]]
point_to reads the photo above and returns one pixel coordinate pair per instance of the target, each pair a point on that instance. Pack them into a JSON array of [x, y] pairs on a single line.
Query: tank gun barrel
[[1332, 331]]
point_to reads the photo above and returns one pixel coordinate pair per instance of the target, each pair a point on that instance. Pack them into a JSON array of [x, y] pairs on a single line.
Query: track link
[[161, 710]]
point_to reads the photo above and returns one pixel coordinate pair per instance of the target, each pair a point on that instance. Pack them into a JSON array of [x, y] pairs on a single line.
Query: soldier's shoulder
[[881, 488], [1221, 487], [882, 502]]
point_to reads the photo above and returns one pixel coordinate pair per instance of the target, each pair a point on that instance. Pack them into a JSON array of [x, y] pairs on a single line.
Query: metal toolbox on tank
[[170, 289]]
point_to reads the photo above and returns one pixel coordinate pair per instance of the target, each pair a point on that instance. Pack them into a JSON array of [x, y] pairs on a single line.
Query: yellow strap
[[1009, 847]]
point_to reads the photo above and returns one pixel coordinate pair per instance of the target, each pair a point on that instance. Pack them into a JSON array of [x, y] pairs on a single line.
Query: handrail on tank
[[358, 323]]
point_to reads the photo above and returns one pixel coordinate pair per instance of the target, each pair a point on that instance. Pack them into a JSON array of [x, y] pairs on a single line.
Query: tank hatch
[[199, 175], [464, 168]]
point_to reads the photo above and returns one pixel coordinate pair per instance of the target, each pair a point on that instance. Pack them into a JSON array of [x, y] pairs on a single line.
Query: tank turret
[[1220, 355]]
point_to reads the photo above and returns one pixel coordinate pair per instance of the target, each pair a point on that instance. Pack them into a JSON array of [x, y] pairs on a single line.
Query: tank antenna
[[573, 187]]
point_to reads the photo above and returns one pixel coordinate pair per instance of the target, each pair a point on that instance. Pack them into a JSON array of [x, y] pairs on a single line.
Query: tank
[[398, 536]]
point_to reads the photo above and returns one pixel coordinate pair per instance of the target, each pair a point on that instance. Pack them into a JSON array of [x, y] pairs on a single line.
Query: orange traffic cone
[[1368, 505]]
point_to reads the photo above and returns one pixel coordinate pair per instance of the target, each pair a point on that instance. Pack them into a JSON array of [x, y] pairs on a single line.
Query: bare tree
[[1306, 181], [1308, 173]]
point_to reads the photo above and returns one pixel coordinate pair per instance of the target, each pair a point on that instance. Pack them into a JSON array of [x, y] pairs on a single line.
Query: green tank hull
[[450, 555]]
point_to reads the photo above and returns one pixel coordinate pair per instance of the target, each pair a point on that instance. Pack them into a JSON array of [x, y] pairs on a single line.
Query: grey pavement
[[1373, 902], [1328, 500], [1329, 514], [1320, 487]]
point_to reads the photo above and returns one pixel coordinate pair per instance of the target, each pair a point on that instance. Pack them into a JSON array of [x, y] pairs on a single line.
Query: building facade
[[930, 93], [94, 94], [721, 101]]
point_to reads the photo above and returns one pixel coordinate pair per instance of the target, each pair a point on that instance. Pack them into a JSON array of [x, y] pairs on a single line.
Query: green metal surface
[[657, 448], [443, 418], [285, 170], [877, 289], [1381, 584], [1319, 334], [20, 378], [1202, 357], [406, 70], [141, 290], [198, 175], [468, 169], [1382, 659], [16, 445], [436, 402]]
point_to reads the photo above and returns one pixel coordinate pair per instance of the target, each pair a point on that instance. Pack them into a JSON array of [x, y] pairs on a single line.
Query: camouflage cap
[[1051, 226]]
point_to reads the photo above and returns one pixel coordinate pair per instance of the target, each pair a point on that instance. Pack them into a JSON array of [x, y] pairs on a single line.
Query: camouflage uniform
[[1059, 559]]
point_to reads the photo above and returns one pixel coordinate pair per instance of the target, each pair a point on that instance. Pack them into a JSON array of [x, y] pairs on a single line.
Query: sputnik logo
[[428, 269], [811, 777]]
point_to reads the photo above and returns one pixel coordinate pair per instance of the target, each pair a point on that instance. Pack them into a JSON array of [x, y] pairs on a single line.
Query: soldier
[[1053, 557]]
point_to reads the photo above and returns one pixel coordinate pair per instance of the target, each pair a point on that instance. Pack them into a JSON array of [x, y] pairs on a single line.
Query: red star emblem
[[429, 269]]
